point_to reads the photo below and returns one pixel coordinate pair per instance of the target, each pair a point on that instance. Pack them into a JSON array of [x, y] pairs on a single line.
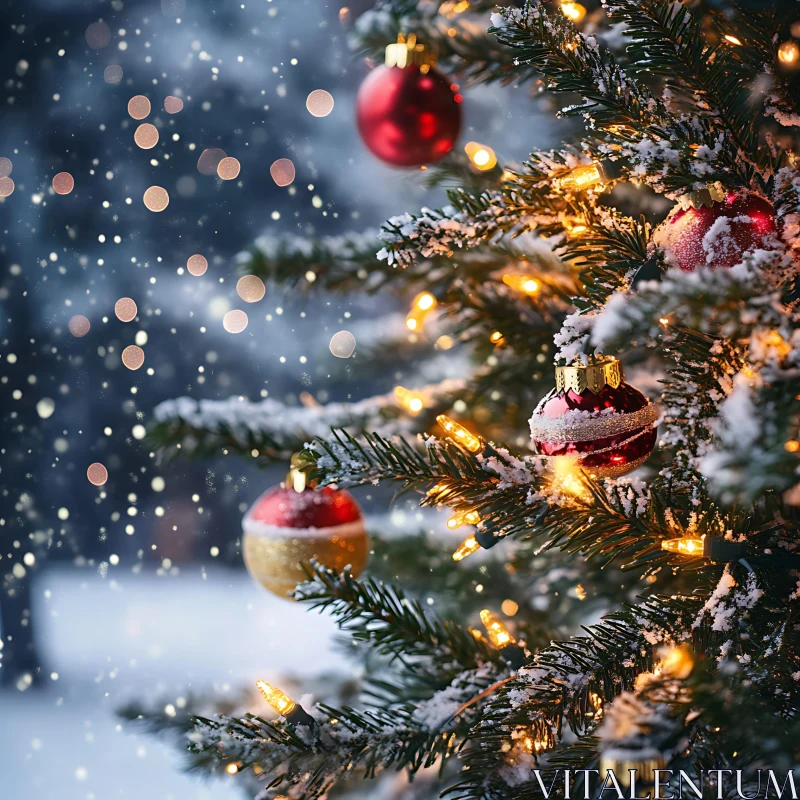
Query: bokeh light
[[235, 321], [342, 344], [319, 103], [282, 171]]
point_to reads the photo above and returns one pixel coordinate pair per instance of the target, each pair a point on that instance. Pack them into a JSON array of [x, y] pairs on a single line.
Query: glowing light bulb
[[522, 283], [232, 769], [463, 518], [496, 337], [468, 440], [421, 306], [677, 662], [409, 400], [573, 11], [788, 53], [732, 40], [466, 548], [567, 477], [482, 156], [583, 177], [425, 301], [574, 226], [498, 633], [685, 546], [280, 702]]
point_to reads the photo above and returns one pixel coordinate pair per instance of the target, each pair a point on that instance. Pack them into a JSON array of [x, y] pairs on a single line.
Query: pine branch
[[271, 431], [394, 625], [559, 686], [462, 46], [667, 39], [574, 63]]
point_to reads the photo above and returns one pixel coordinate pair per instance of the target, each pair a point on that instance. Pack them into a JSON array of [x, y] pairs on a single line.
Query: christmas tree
[[661, 242]]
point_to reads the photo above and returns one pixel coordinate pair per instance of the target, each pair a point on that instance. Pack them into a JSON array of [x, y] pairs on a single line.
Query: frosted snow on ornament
[[342, 344]]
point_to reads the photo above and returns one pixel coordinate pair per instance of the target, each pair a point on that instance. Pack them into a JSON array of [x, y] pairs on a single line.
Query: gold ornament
[[274, 559], [293, 523]]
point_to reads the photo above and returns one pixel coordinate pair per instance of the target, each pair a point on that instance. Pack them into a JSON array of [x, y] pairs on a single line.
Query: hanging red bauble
[[594, 417], [408, 114], [285, 528], [712, 228]]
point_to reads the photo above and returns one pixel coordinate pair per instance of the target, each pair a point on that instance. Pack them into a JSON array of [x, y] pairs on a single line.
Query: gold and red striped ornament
[[594, 417]]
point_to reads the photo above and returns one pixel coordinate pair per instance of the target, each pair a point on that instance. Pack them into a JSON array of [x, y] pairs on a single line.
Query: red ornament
[[408, 114], [596, 418], [285, 528], [712, 229]]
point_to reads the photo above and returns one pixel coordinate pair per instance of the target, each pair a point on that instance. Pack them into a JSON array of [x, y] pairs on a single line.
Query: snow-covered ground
[[120, 637]]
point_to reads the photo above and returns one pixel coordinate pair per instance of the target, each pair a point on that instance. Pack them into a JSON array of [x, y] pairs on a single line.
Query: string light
[[496, 337], [281, 703], [677, 662], [573, 11], [574, 226], [732, 40], [232, 768], [792, 446], [771, 344], [450, 8], [522, 283], [411, 401], [583, 177], [284, 705], [467, 439], [567, 478], [498, 633], [685, 546], [462, 518], [466, 548], [788, 53], [481, 155], [477, 635], [421, 306]]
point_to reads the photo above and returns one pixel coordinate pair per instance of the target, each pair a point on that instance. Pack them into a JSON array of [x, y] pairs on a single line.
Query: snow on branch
[[273, 429]]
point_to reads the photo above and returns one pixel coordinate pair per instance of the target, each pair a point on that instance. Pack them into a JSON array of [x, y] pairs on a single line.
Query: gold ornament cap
[[406, 51], [704, 197], [599, 372]]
